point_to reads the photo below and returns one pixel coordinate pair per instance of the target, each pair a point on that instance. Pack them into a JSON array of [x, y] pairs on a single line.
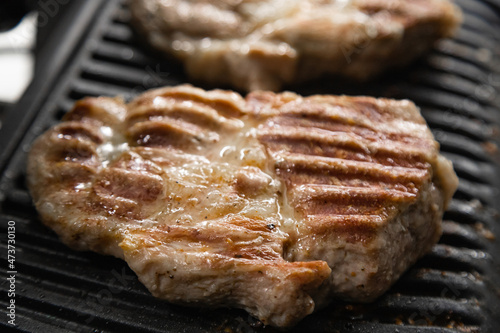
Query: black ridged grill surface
[[453, 289]]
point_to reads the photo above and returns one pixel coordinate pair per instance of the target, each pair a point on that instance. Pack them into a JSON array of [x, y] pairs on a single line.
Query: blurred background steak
[[264, 44]]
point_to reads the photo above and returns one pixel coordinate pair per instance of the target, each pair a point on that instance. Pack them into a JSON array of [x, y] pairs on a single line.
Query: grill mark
[[233, 241], [361, 110], [369, 133], [226, 107], [131, 160], [389, 158], [293, 179], [169, 132], [223, 258], [317, 208], [263, 102], [103, 110], [344, 200], [350, 228], [77, 130], [196, 113], [72, 150], [113, 205], [343, 145], [132, 185], [166, 158], [300, 169], [72, 173]]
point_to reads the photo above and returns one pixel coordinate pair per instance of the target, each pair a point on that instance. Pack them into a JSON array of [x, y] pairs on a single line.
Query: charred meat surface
[[264, 44], [273, 203]]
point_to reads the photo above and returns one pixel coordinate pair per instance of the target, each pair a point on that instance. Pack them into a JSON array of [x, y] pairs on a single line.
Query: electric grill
[[93, 51]]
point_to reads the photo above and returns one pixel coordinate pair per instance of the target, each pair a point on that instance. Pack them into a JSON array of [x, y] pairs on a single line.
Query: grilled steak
[[274, 203], [263, 44]]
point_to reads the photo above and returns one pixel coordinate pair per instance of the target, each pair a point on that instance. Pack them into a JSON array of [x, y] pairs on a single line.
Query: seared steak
[[274, 203], [263, 44]]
